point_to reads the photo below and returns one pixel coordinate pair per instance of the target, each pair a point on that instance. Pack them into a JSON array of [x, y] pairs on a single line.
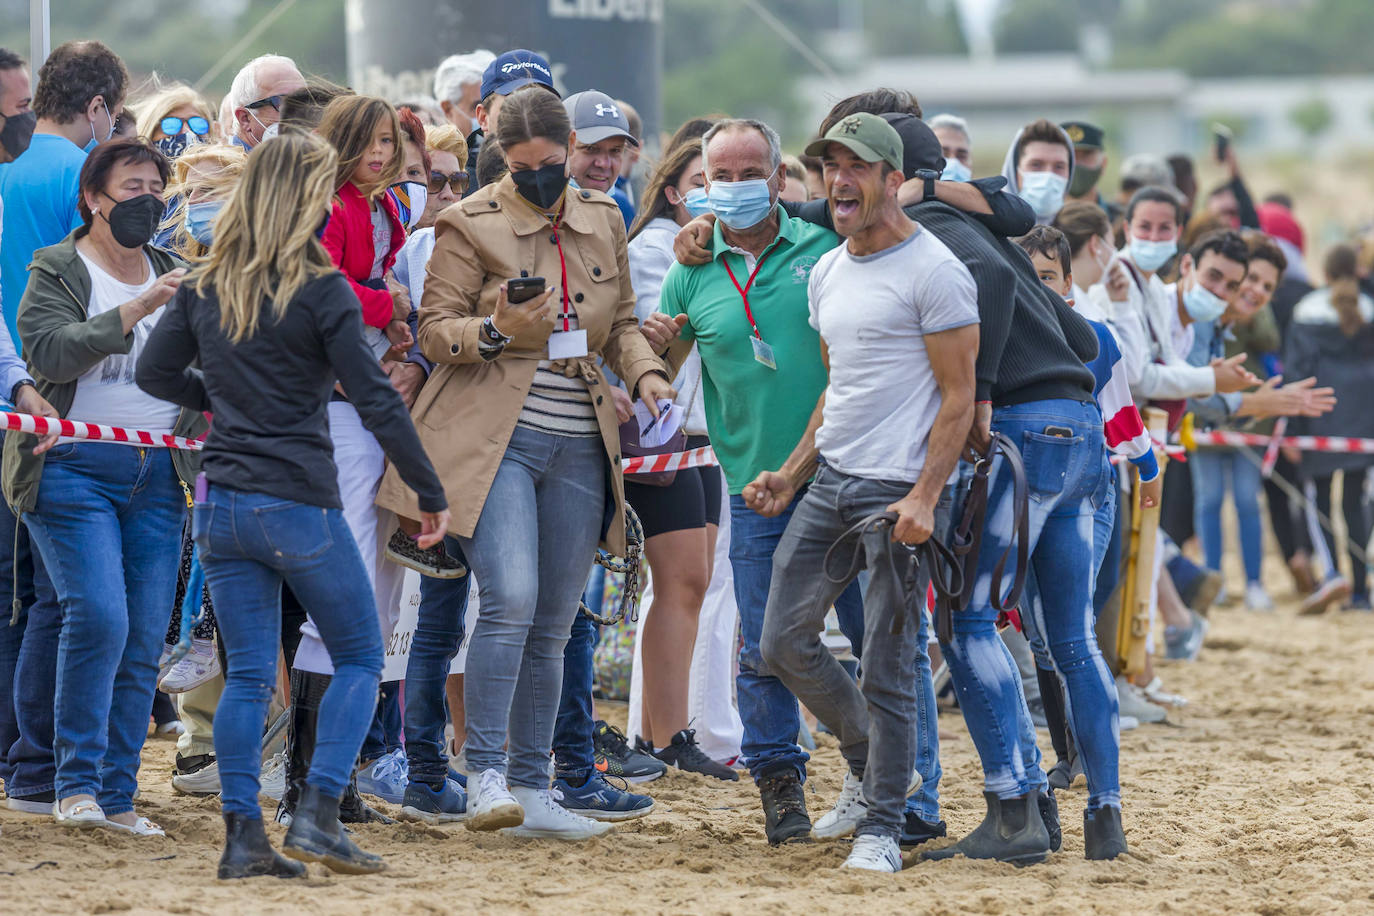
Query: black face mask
[[17, 132], [542, 186], [133, 221]]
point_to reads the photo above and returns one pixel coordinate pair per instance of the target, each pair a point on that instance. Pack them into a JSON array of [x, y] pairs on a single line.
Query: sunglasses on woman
[[195, 124], [458, 182]]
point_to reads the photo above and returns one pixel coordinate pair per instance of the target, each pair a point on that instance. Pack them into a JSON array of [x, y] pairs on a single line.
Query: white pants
[[710, 689], [360, 463]]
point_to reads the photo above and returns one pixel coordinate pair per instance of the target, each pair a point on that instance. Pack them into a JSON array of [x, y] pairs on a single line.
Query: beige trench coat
[[467, 410]]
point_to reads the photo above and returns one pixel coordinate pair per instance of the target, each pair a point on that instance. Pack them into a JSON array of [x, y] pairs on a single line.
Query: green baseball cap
[[867, 136]]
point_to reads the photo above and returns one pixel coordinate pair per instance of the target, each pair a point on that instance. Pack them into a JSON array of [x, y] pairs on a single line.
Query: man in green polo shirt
[[746, 310]]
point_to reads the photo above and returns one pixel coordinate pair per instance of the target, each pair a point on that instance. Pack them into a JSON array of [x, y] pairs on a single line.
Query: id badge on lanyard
[[567, 343], [763, 353]]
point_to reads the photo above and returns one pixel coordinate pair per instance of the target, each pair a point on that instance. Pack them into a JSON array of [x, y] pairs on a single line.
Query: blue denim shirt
[[1209, 343]]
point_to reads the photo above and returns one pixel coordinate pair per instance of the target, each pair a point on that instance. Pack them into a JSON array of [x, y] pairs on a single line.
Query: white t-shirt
[[874, 312], [106, 393]]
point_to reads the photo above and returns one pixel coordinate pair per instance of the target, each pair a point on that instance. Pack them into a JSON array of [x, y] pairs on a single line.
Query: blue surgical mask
[[94, 140], [956, 171], [740, 204], [1044, 191], [1202, 304], [200, 219], [1151, 256], [696, 203]]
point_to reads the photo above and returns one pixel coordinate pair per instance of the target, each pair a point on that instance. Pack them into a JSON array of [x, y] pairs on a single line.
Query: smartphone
[[1061, 432], [523, 289], [1221, 135]]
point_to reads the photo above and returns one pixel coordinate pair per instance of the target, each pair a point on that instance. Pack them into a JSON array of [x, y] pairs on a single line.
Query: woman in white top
[[104, 516], [680, 520]]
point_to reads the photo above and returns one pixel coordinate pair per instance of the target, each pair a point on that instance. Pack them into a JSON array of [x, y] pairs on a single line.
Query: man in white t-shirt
[[898, 319]]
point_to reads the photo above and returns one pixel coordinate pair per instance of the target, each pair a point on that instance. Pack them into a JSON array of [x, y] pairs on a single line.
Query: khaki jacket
[[467, 410]]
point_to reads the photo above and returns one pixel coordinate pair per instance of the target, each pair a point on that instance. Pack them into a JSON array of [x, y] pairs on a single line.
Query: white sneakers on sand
[[875, 853]]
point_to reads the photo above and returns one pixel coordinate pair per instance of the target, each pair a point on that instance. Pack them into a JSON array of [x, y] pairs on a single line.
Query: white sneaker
[[545, 818], [1131, 702], [1126, 723], [199, 665], [492, 806], [204, 781], [875, 853], [164, 661], [850, 808], [1256, 598], [272, 779]]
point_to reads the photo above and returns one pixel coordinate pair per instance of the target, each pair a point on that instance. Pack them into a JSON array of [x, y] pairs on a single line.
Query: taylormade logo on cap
[[525, 65]]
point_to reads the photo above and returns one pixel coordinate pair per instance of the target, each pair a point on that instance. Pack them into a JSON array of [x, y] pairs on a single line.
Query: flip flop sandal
[[81, 815], [140, 827]]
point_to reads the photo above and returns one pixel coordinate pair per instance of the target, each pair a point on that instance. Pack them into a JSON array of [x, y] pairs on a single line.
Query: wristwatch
[[929, 176], [14, 392]]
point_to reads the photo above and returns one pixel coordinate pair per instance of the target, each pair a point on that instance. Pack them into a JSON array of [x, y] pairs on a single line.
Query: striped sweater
[[1121, 423]]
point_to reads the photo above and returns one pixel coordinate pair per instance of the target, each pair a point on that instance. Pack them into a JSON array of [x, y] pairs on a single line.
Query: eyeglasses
[[196, 124], [273, 100], [458, 182]]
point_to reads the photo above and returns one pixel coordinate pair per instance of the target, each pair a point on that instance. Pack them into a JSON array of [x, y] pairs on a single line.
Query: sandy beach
[[1256, 798]]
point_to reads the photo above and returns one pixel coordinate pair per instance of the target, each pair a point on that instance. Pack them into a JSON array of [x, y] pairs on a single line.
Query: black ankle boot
[[1103, 837], [1011, 832], [248, 854], [1049, 816], [307, 689], [784, 807], [317, 836], [353, 810]]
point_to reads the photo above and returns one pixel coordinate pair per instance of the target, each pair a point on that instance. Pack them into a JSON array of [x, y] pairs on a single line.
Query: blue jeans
[[572, 735], [384, 734], [438, 634], [768, 709], [28, 664], [250, 543], [105, 524], [1063, 640], [531, 551], [1211, 469], [1065, 477]]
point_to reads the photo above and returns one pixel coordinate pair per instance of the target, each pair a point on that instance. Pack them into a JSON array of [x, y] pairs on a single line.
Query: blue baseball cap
[[516, 69]]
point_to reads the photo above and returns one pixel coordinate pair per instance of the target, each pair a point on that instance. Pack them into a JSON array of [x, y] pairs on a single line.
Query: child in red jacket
[[364, 231]]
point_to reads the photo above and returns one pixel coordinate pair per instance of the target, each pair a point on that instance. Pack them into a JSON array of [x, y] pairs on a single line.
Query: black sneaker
[[916, 831], [784, 808], [685, 754], [615, 757], [434, 562]]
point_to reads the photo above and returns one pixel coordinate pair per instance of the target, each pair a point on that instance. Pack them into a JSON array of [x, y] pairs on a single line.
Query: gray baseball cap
[[596, 116]]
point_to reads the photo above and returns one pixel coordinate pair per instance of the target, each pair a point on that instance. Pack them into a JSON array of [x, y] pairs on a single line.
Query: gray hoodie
[[1009, 167]]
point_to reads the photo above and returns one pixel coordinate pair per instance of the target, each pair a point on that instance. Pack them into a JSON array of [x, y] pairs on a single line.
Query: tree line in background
[[722, 54]]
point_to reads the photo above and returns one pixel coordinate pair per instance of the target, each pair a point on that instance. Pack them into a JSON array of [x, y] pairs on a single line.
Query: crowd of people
[[422, 334]]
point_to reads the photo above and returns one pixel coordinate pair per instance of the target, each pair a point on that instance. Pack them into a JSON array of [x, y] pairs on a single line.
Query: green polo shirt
[[756, 415]]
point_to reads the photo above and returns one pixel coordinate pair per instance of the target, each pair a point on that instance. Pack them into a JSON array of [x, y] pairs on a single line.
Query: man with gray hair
[[255, 97], [457, 87], [746, 309], [956, 146]]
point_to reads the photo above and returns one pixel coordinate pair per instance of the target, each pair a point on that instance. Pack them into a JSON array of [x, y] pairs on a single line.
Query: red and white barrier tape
[[1305, 443], [656, 464], [75, 429]]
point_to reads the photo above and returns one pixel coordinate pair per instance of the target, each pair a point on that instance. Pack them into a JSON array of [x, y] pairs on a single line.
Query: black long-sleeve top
[[1032, 345], [270, 393]]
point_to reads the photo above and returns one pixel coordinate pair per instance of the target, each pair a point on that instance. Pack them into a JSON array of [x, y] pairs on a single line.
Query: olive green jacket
[[62, 342]]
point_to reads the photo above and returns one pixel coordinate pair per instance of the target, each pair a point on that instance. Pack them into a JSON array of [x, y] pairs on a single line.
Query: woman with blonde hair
[[519, 414], [203, 178], [274, 324], [174, 117]]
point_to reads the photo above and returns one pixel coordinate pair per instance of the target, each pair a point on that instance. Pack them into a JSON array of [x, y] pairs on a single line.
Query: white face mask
[[1044, 191], [271, 130]]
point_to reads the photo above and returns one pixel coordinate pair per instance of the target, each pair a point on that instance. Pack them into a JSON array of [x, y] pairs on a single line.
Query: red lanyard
[[563, 271], [744, 290]]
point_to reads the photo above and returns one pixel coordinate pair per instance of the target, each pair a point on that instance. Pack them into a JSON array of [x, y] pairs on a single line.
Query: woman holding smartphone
[[523, 426]]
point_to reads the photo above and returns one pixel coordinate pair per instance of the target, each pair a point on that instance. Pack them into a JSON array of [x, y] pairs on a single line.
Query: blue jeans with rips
[[105, 523], [250, 543], [1065, 478]]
